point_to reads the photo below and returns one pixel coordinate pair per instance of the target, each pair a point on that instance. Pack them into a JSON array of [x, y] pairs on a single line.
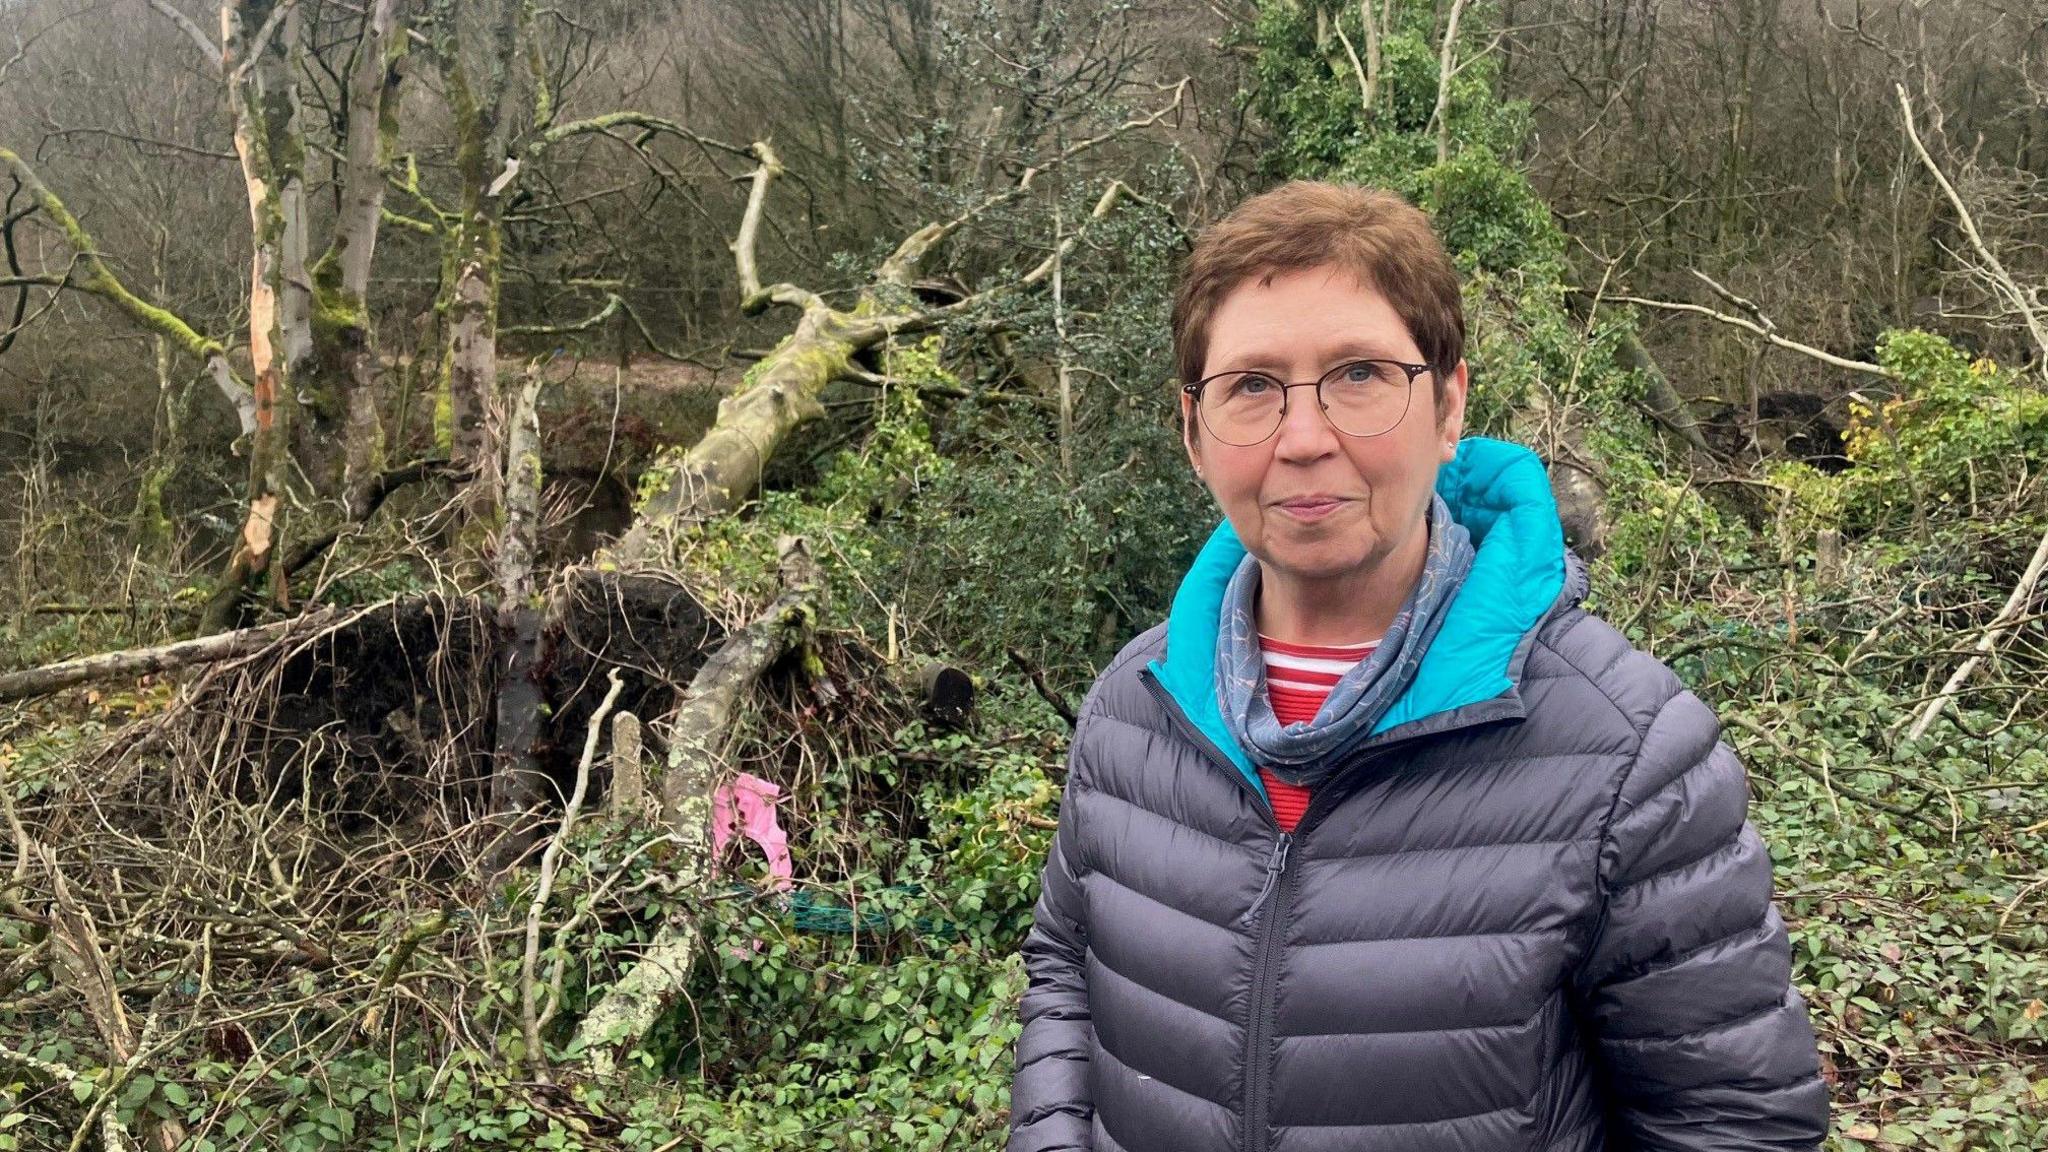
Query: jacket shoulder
[[1671, 734], [1117, 691], [1581, 654]]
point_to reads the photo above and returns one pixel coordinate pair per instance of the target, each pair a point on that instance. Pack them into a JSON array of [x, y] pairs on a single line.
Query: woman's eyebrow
[[1359, 349], [1262, 361]]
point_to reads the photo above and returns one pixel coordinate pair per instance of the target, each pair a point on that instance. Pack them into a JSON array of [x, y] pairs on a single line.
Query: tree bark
[[478, 60], [1446, 72], [341, 278], [262, 118], [518, 786]]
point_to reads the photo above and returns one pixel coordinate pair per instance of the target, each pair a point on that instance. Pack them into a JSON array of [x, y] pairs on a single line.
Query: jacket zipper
[[1258, 1066], [1280, 884], [1258, 1092]]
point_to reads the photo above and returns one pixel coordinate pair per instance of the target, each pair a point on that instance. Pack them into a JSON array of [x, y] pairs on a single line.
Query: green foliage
[[1905, 870], [892, 1040], [1522, 340], [1966, 434], [398, 577]]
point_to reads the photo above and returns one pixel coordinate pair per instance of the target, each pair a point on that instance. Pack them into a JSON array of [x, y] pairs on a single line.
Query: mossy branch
[[95, 278]]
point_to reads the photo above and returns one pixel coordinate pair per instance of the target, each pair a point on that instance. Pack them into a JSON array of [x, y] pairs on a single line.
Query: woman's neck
[[1353, 608]]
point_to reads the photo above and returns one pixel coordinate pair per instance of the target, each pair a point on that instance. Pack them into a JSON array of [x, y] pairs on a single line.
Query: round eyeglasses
[[1360, 398]]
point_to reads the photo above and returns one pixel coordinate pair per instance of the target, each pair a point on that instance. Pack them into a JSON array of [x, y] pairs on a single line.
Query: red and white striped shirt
[[1298, 679]]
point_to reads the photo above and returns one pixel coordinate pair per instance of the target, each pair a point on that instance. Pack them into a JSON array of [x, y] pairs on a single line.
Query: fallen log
[[698, 730], [31, 682]]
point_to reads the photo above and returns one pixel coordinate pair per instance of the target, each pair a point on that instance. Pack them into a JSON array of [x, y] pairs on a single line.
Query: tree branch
[[31, 682], [753, 298], [100, 281], [612, 304], [1768, 334], [200, 39], [2021, 594], [2002, 281], [655, 125], [917, 321], [902, 265]]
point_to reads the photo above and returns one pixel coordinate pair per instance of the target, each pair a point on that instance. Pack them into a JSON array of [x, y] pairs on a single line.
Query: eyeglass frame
[[1194, 391]]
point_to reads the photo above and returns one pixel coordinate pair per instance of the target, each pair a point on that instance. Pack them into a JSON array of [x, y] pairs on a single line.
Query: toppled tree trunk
[[713, 476], [697, 734], [32, 682], [780, 393], [1661, 400]]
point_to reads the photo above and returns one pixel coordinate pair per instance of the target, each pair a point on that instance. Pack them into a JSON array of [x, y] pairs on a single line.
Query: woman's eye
[[1360, 372], [1252, 384]]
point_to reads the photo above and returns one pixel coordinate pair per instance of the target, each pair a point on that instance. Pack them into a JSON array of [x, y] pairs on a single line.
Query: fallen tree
[[687, 485]]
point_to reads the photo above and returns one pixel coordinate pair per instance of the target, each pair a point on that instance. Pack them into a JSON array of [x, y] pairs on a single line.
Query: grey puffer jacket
[[1528, 913]]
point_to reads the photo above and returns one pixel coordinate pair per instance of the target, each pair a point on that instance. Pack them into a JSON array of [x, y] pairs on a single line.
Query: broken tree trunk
[[518, 784], [697, 734], [263, 96]]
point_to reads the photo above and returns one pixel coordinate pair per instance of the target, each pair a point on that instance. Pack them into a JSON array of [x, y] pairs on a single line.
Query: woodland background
[[443, 442]]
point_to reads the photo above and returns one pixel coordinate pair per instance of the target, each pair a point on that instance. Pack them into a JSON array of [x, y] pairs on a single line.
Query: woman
[[1380, 841]]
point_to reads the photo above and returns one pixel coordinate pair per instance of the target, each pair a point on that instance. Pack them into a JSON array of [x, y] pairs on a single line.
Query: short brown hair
[[1375, 235]]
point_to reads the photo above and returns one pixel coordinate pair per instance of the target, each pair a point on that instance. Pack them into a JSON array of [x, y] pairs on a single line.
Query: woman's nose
[[1305, 430]]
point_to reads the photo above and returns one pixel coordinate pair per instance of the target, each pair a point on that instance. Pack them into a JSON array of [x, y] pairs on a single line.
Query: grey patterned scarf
[[1304, 753]]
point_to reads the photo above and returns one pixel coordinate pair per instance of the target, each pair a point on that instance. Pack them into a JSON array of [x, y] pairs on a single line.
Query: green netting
[[809, 911]]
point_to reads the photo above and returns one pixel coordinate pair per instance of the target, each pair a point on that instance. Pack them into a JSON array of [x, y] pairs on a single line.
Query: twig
[[1737, 720], [1037, 676], [2021, 594], [2002, 282], [1768, 334], [550, 860]]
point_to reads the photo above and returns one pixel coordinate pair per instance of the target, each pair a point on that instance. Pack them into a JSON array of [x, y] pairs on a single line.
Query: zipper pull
[[1274, 866]]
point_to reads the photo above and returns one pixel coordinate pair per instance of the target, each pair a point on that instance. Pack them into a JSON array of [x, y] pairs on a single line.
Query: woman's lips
[[1306, 510]]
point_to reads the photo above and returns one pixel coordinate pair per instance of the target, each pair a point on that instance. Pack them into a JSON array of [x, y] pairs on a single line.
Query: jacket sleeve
[[1701, 1042], [1050, 1108]]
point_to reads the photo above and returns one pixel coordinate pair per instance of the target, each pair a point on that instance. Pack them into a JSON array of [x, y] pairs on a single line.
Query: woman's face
[[1310, 502]]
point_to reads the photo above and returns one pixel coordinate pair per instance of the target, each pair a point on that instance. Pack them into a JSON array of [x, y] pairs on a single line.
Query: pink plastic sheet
[[749, 803]]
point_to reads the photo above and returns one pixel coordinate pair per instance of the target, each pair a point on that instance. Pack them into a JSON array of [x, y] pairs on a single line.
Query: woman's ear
[[1190, 439], [1451, 409]]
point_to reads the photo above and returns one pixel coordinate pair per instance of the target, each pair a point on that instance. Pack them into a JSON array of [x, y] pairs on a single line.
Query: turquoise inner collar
[[1501, 494]]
